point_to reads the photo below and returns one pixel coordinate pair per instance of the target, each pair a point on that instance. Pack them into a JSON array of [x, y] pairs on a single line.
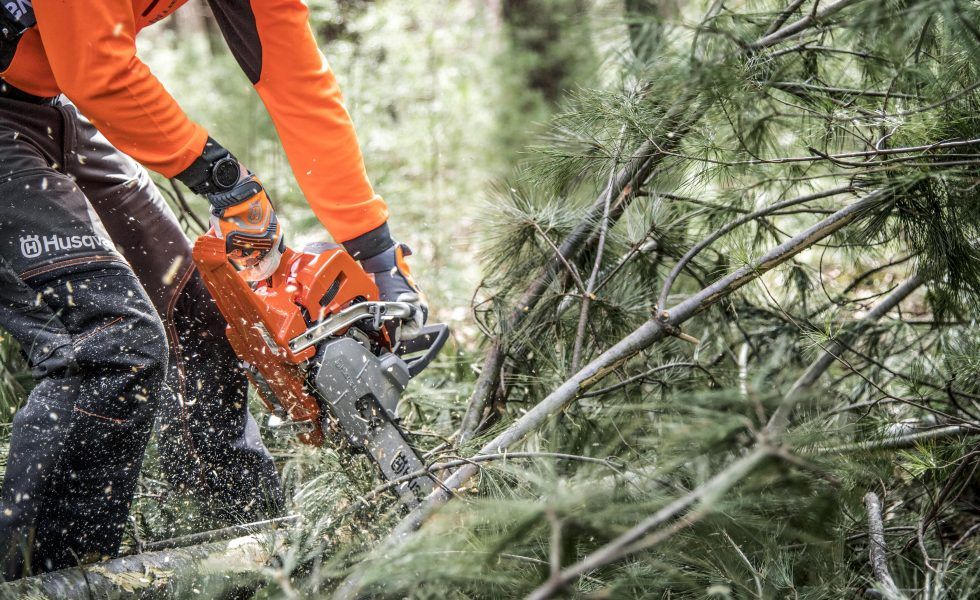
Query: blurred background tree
[[548, 51]]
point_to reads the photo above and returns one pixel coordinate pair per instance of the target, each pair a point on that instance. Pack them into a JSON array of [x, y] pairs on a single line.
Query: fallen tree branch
[[722, 231], [452, 464], [236, 563], [832, 351], [654, 330], [214, 535], [681, 512], [634, 539], [647, 334], [633, 175], [784, 16], [583, 318], [800, 25], [904, 441]]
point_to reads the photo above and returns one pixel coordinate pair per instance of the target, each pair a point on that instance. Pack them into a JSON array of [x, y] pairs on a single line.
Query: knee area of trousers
[[140, 342], [110, 318]]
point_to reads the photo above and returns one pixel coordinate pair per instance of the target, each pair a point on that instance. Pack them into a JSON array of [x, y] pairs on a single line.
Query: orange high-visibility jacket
[[87, 51]]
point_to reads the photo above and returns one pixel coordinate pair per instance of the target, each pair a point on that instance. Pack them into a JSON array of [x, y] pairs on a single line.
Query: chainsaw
[[323, 353]]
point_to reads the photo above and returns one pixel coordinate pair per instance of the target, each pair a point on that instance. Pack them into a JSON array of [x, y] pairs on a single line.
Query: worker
[[98, 285]]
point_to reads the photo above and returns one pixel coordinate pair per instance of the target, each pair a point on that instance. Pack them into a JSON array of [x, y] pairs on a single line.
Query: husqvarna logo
[[32, 246], [254, 214], [18, 8]]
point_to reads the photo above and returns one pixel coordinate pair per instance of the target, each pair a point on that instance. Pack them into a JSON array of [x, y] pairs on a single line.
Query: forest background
[[713, 277]]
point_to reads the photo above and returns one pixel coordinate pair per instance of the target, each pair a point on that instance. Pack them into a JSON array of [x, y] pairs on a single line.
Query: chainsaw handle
[[431, 339]]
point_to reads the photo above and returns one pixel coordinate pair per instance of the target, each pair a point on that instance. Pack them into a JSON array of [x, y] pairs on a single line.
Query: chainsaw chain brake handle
[[423, 348], [274, 326]]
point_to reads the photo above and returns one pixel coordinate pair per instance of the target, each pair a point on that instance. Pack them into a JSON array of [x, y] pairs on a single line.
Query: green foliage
[[863, 103], [14, 385]]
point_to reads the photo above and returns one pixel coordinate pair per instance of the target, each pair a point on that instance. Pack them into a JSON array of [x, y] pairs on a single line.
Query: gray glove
[[395, 284]]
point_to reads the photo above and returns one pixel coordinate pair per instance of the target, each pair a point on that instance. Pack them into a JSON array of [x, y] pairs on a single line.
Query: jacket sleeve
[[273, 43], [92, 52]]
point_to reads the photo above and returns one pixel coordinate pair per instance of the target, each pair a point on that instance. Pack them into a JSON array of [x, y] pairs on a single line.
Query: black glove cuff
[[386, 261], [201, 176], [370, 244]]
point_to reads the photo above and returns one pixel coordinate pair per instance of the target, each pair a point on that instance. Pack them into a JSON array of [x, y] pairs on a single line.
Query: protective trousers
[[98, 286]]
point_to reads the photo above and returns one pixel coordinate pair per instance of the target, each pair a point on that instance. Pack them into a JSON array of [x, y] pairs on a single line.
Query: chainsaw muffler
[[361, 392]]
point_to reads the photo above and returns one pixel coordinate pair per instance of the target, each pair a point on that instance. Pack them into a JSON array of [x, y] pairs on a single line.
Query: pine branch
[[801, 25], [239, 562], [636, 538], [831, 353], [909, 440], [642, 164], [680, 511], [877, 549], [808, 89], [721, 232], [214, 535], [475, 460], [630, 178], [784, 16], [656, 329], [583, 319]]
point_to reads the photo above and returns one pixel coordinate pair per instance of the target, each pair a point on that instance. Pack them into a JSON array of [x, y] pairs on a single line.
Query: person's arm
[[273, 43], [92, 52]]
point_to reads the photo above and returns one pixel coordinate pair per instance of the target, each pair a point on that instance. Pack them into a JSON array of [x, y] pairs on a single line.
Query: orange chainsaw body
[[262, 318]]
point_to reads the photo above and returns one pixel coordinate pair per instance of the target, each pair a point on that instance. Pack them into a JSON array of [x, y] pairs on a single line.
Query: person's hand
[[396, 284], [241, 213], [243, 216]]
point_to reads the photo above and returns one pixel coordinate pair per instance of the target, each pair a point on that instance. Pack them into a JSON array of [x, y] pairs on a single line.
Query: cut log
[[229, 568]]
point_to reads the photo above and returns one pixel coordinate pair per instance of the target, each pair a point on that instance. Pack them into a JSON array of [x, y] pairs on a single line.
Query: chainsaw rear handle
[[430, 340]]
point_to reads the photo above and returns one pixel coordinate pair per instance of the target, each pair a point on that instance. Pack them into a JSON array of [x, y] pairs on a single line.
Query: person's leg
[[95, 347], [209, 443], [120, 363]]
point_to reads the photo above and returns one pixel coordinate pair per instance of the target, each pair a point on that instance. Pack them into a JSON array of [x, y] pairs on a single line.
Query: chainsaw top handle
[[376, 311], [429, 340]]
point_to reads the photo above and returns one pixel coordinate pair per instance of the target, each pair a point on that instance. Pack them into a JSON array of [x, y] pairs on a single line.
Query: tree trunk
[[547, 50], [551, 42]]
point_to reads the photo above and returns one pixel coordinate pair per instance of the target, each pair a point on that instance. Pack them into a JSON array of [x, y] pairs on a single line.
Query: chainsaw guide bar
[[313, 345]]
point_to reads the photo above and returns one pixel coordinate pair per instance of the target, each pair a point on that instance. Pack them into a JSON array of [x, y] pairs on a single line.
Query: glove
[[241, 213], [250, 228], [395, 284]]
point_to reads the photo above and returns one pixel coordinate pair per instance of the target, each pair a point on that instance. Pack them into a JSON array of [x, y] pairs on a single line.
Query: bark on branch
[[236, 563], [877, 550]]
